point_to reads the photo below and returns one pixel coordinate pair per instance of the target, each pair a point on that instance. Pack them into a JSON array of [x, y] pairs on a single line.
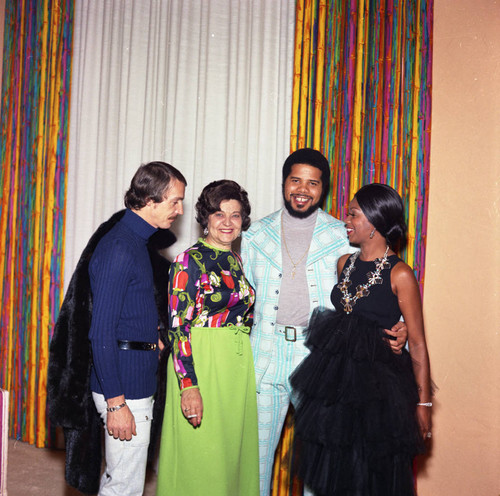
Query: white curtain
[[202, 84]]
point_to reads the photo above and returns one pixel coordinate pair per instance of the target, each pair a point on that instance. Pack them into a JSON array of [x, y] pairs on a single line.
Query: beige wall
[[461, 302]]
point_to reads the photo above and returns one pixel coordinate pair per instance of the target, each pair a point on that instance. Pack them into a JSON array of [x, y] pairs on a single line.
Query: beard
[[301, 214]]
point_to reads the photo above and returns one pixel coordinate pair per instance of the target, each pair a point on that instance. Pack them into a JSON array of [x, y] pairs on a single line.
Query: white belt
[[291, 333]]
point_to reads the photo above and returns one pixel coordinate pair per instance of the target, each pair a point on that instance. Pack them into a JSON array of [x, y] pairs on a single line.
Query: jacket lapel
[[268, 240], [322, 241]]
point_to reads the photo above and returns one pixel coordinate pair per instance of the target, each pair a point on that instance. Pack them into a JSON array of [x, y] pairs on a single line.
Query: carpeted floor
[[39, 471]]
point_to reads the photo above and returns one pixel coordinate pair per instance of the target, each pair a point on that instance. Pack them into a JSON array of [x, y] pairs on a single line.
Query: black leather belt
[[136, 345]]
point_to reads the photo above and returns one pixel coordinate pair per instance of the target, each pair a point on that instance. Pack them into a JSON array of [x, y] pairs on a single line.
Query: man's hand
[[400, 332], [120, 423]]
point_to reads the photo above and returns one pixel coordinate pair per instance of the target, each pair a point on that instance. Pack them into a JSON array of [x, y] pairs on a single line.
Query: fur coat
[[69, 398]]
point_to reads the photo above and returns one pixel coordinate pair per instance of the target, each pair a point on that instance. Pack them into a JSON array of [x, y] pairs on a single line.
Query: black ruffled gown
[[356, 431]]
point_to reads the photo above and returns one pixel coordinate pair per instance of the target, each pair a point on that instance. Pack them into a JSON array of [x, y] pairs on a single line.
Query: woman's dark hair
[[383, 207], [214, 194], [151, 182]]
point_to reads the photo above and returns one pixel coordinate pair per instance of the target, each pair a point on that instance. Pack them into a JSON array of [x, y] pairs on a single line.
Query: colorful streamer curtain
[[34, 120], [362, 95]]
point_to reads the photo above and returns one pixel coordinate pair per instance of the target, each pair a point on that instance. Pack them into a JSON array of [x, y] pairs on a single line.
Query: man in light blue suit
[[290, 258]]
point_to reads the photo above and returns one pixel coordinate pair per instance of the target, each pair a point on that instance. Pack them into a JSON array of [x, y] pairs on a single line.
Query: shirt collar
[[138, 225]]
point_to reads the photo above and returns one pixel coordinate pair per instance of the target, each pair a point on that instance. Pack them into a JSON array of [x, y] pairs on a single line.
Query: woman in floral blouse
[[209, 440]]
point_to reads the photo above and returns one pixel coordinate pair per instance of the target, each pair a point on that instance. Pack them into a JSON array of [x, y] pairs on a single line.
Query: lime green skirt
[[220, 457]]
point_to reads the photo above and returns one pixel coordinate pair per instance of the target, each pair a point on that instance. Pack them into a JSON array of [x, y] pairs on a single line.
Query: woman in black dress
[[364, 412]]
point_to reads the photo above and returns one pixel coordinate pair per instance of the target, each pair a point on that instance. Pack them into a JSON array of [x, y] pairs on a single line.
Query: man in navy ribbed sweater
[[124, 329]]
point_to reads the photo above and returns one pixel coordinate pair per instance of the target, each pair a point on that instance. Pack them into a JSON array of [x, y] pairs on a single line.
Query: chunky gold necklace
[[348, 301], [288, 253]]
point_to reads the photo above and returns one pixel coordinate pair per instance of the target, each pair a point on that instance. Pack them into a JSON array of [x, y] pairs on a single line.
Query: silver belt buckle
[[290, 333]]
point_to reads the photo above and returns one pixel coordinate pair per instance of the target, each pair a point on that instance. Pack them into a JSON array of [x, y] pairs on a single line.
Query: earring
[[372, 233], [239, 234], [205, 231]]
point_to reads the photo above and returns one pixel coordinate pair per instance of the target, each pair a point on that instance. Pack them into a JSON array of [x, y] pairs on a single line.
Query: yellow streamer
[[358, 97], [320, 68], [414, 151]]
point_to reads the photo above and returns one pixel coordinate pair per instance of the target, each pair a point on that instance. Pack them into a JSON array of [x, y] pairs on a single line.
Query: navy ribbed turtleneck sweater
[[124, 308]]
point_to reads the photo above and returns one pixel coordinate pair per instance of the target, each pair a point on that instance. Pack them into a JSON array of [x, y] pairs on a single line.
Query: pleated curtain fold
[[204, 86]]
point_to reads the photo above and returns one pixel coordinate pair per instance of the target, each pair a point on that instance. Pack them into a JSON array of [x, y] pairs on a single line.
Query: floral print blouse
[[207, 289]]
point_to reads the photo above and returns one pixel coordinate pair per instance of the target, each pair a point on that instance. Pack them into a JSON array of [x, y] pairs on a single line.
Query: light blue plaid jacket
[[261, 253]]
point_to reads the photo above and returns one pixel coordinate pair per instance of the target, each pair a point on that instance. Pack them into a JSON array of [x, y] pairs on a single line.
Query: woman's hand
[[424, 421], [192, 406]]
